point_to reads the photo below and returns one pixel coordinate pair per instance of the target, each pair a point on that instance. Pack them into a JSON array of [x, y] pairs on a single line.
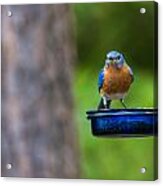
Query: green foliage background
[[101, 27]]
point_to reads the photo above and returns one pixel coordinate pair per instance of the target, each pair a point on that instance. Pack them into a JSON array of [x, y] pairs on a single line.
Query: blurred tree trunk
[[38, 133]]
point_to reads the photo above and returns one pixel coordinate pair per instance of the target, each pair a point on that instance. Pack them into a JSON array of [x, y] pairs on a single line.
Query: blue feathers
[[100, 79]]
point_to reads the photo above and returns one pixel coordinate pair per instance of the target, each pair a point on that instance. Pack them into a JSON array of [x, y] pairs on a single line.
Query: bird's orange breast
[[116, 80]]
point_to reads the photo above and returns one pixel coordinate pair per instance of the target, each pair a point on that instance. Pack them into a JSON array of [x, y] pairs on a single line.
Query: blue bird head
[[114, 58]]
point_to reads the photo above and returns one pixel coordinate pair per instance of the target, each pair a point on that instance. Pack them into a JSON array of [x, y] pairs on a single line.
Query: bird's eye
[[118, 57], [110, 58]]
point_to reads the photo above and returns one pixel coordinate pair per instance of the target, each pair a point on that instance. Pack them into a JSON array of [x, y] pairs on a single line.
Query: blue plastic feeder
[[138, 122]]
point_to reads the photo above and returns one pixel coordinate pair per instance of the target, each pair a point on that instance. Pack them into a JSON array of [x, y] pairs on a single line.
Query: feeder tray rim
[[143, 110]]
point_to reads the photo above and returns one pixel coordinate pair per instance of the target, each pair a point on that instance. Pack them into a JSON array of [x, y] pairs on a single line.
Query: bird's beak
[[113, 62]]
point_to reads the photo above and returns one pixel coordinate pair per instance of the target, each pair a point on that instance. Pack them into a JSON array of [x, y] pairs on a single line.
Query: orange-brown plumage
[[116, 80]]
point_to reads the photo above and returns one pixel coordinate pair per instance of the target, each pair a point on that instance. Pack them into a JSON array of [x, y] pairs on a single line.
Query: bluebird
[[114, 79]]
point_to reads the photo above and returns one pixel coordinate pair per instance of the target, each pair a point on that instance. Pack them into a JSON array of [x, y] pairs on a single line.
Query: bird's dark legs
[[108, 103], [122, 102], [104, 104]]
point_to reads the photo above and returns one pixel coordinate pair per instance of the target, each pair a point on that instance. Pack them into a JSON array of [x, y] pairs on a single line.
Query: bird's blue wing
[[100, 79]]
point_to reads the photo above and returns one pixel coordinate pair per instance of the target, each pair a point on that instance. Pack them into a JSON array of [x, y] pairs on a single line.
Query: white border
[[62, 182]]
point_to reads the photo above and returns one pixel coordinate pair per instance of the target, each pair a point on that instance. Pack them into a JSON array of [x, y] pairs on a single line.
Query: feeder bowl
[[138, 122]]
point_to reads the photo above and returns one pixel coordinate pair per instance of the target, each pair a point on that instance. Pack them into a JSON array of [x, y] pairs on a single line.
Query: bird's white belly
[[115, 96]]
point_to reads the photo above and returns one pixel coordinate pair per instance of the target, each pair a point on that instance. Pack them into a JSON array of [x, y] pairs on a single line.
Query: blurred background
[[102, 27], [51, 57]]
